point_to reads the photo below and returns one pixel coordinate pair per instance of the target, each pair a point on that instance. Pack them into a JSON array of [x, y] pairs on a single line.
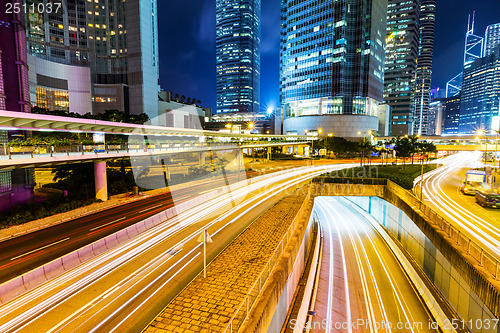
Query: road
[[24, 253], [361, 281], [123, 289], [441, 193]]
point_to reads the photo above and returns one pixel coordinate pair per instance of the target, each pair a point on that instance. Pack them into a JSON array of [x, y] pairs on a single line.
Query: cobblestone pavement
[[207, 305]]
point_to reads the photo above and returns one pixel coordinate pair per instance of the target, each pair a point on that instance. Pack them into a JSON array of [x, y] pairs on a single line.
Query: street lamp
[[327, 143], [482, 132], [364, 142]]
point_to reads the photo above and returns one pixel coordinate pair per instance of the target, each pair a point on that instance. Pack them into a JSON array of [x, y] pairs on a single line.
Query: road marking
[[41, 248], [212, 190], [145, 210], [102, 226]]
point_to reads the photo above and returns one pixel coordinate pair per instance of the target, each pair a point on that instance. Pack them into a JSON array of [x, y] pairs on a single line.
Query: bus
[[474, 180]]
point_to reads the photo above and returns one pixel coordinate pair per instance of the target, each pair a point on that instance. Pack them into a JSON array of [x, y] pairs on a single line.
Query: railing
[[482, 257], [243, 310], [10, 152]]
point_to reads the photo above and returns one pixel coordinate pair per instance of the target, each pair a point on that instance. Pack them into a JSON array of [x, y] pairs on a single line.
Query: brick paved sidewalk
[[207, 305]]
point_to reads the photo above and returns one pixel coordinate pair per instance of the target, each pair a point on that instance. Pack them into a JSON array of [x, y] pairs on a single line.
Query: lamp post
[[327, 143], [482, 132], [364, 142]]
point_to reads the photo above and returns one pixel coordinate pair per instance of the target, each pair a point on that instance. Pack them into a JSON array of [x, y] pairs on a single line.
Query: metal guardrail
[[243, 310], [482, 257]]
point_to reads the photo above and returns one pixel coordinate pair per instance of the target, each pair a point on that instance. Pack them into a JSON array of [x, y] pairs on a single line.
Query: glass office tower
[[117, 40], [402, 50], [331, 62], [480, 96], [491, 38], [238, 55], [421, 125]]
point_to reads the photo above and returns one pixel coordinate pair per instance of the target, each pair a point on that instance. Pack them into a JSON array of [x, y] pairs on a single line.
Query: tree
[[198, 102], [403, 148], [366, 148], [428, 148], [183, 99], [176, 98], [78, 179], [188, 101], [413, 139]]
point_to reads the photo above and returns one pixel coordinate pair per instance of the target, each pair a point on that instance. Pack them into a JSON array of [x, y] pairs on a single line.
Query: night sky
[[187, 45]]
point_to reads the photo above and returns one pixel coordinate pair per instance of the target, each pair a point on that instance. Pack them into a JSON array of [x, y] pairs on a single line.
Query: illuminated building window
[[5, 181], [52, 99]]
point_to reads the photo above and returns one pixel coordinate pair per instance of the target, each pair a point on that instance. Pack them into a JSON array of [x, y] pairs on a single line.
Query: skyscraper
[[117, 40], [451, 115], [332, 65], [473, 50], [480, 96], [473, 43], [14, 88], [16, 186], [424, 67], [403, 22], [238, 55], [491, 38]]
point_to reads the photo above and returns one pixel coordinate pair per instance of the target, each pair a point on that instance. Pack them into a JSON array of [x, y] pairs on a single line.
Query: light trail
[[40, 248], [71, 284], [477, 228], [376, 271]]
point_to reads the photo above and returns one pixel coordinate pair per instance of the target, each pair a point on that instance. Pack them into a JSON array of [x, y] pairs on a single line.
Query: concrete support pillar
[[284, 149], [268, 153], [101, 181], [202, 158], [300, 150]]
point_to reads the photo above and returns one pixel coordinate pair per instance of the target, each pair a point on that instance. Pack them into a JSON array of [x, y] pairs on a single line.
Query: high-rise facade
[[238, 56], [16, 186], [116, 40], [480, 96], [403, 38], [491, 38], [14, 87], [332, 65], [451, 115], [422, 87]]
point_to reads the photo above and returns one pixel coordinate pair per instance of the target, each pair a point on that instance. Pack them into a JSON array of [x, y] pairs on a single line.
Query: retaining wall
[[448, 275], [270, 311]]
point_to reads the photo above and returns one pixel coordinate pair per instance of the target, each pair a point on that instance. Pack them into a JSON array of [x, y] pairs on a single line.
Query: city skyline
[[189, 68]]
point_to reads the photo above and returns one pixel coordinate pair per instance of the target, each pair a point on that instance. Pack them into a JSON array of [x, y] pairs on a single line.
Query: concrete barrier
[[11, 289], [53, 269], [148, 223], [86, 253], [156, 220], [71, 260], [99, 247], [111, 241], [141, 227], [122, 236], [132, 231], [34, 278]]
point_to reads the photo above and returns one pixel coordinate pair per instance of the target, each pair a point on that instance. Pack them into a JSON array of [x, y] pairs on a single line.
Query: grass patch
[[399, 174]]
